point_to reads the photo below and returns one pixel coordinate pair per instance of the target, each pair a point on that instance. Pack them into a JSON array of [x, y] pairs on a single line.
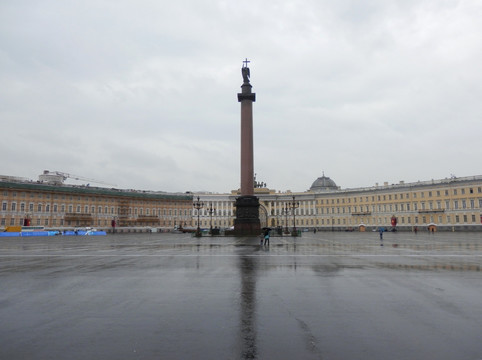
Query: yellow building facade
[[447, 204], [451, 204], [57, 206]]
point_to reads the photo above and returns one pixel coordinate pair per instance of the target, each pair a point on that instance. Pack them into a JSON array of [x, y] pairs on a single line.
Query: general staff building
[[448, 204]]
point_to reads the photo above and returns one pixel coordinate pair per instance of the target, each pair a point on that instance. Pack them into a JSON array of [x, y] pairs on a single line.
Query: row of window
[[416, 220], [100, 209], [79, 198], [386, 197], [61, 222], [438, 205], [204, 212]]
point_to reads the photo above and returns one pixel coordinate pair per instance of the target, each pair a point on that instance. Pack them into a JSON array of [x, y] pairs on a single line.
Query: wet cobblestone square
[[172, 296]]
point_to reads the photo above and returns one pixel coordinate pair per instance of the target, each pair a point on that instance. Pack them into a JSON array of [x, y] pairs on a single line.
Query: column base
[[247, 216]]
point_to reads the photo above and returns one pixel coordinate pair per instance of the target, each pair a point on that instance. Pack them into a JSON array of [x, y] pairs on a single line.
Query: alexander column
[[247, 205]]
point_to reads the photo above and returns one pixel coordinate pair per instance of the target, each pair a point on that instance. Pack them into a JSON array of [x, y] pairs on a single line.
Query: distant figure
[[415, 229], [381, 233], [314, 230], [266, 236]]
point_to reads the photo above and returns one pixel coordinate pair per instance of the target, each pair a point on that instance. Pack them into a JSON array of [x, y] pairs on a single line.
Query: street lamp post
[[198, 205], [211, 210], [285, 212], [293, 205]]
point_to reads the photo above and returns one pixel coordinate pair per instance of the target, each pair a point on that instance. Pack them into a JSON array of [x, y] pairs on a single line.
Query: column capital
[[248, 96]]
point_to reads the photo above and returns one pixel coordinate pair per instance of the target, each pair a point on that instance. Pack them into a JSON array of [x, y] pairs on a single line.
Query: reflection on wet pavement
[[321, 296]]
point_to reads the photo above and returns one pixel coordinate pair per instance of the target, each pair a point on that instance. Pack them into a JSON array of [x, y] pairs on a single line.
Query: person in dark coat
[[266, 236]]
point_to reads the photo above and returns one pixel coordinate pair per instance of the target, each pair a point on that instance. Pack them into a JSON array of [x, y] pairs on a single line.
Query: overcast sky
[[143, 94]]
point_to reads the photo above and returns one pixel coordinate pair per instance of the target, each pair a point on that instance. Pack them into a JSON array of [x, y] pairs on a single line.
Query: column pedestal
[[247, 216]]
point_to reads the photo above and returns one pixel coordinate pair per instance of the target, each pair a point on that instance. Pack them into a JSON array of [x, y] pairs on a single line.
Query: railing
[[78, 216], [431, 211]]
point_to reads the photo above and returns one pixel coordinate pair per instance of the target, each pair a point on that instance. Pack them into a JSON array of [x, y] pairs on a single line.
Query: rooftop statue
[[245, 71]]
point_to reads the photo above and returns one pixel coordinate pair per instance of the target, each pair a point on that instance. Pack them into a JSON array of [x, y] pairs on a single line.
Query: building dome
[[323, 183]]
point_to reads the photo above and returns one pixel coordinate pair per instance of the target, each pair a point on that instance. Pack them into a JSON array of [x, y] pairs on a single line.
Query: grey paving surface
[[167, 296]]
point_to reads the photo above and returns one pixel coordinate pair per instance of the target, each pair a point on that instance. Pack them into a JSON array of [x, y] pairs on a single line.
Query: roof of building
[[322, 184], [72, 189]]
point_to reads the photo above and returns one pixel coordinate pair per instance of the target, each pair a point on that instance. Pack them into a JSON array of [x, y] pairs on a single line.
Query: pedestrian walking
[[381, 235], [266, 236]]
